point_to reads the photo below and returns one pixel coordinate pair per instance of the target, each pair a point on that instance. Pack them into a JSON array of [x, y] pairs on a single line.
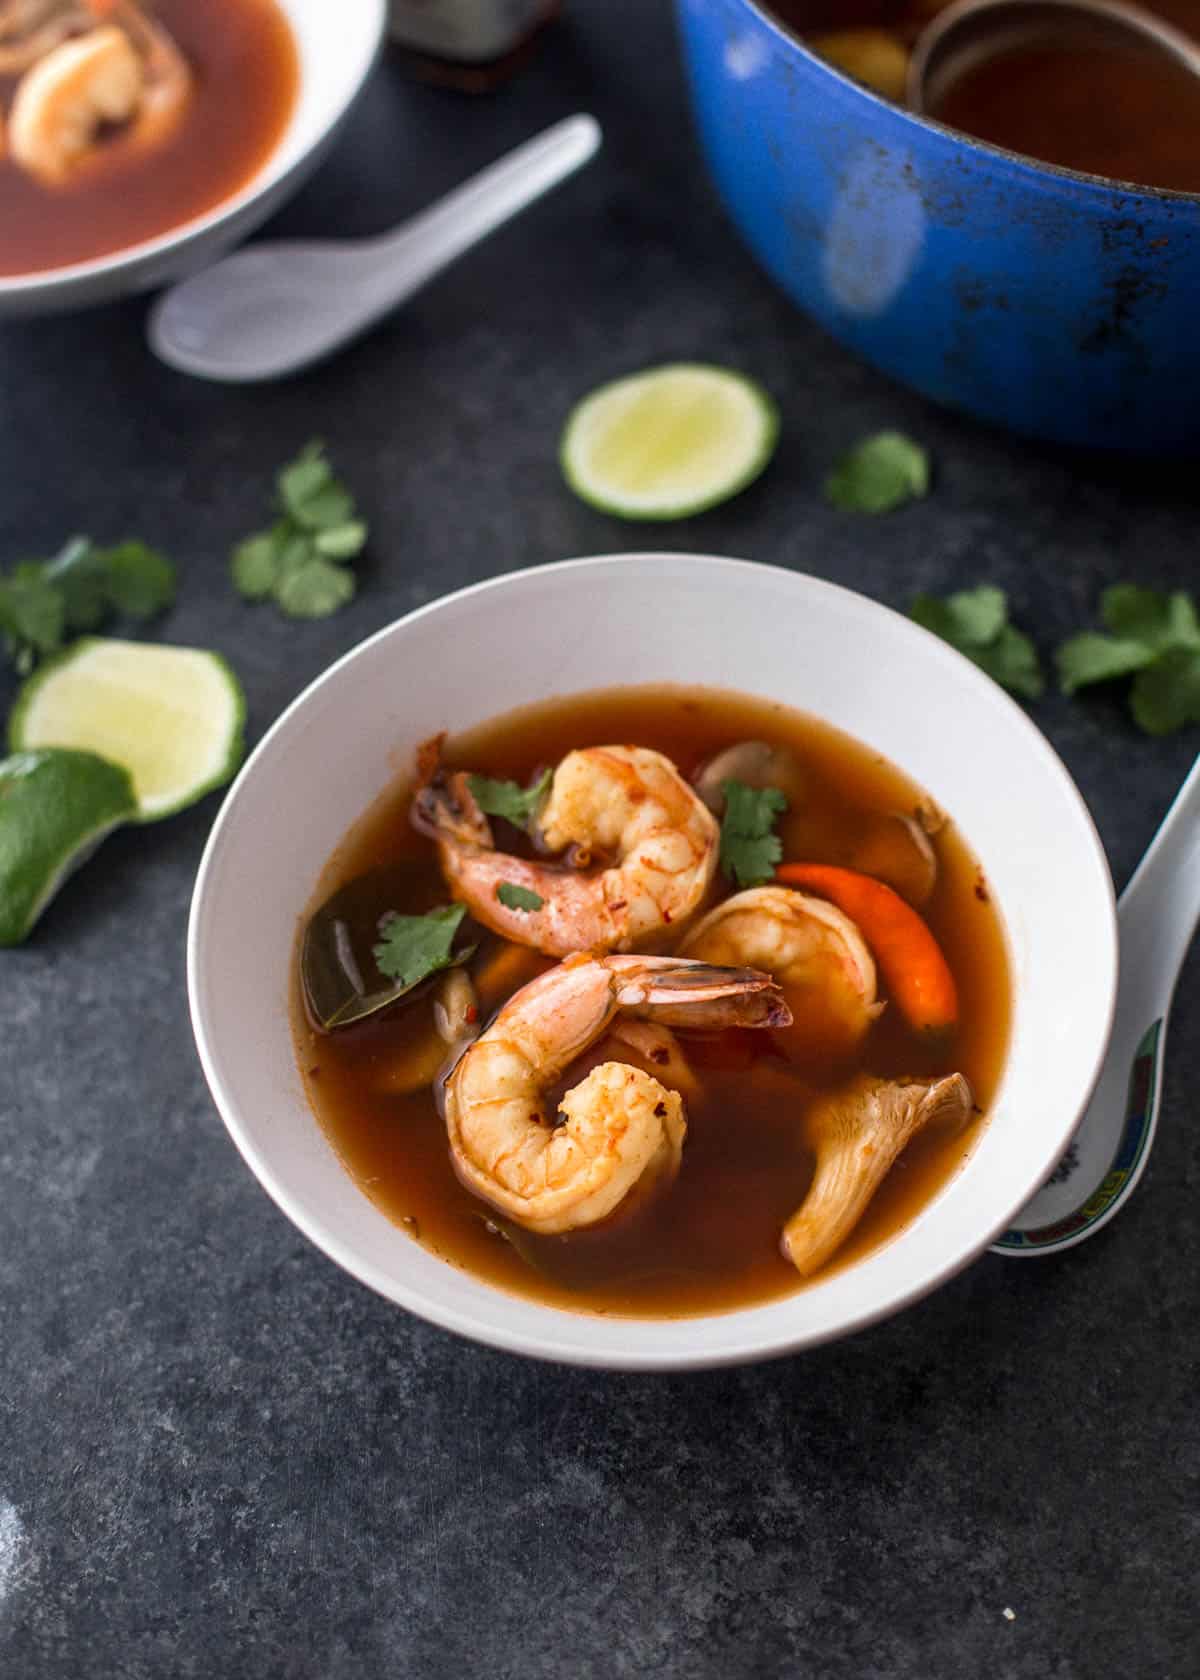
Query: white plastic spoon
[[276, 307], [1157, 917]]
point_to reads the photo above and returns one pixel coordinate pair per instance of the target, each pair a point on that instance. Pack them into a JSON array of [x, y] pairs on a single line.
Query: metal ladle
[[971, 32]]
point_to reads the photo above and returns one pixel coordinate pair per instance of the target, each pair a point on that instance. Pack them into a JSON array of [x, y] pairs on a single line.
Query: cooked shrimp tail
[[446, 810], [620, 1127]]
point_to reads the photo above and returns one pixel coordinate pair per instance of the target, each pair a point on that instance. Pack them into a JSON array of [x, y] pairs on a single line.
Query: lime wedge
[[55, 808], [172, 716], [668, 442]]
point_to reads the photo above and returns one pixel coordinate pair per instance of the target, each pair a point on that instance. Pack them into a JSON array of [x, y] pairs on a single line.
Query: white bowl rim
[[265, 178], [561, 1348]]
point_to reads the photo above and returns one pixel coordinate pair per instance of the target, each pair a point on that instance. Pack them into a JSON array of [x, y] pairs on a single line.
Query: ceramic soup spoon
[[1157, 916], [280, 305]]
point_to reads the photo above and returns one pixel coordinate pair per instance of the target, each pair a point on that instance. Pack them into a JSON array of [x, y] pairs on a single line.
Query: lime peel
[[172, 716], [56, 806], [669, 442]]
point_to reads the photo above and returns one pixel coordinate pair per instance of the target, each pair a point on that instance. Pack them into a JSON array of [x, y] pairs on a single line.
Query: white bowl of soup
[[140, 138], [656, 804]]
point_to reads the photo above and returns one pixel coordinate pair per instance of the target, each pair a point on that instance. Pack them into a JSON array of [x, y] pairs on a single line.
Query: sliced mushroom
[[455, 1024], [856, 1134], [758, 765], [897, 850]]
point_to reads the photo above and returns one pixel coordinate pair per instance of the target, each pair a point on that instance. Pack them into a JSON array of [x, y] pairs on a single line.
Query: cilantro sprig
[[301, 560], [1153, 637], [880, 473], [514, 897], [410, 948], [509, 799], [43, 602], [975, 621], [750, 848]]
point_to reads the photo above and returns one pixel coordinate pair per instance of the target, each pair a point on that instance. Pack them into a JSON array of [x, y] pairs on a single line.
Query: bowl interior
[[336, 47], [638, 619]]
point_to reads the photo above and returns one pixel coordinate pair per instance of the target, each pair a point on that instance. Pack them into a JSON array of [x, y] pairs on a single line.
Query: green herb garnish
[[412, 947], [300, 561], [508, 799], [514, 897], [1153, 637], [750, 848], [975, 621], [879, 474], [42, 602]]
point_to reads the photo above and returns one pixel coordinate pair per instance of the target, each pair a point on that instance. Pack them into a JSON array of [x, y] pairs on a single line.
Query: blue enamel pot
[[1057, 304]]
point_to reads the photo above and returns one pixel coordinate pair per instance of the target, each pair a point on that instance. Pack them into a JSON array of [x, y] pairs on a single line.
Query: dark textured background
[[220, 1456]]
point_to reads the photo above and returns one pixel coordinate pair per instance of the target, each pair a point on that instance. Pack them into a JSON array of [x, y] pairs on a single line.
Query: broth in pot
[[1109, 108]]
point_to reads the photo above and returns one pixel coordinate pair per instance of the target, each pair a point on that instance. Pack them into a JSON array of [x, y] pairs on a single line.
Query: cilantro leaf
[[1092, 658], [1012, 660], [1155, 638], [411, 947], [750, 848], [969, 618], [880, 473], [1166, 694], [41, 601], [1156, 620], [975, 621], [297, 561], [139, 580], [33, 614], [314, 589], [508, 799], [328, 509], [255, 566], [304, 478], [341, 542], [78, 572], [514, 897]]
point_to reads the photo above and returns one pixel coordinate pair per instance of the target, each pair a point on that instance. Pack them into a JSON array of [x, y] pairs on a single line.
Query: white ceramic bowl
[[337, 46], [634, 619]]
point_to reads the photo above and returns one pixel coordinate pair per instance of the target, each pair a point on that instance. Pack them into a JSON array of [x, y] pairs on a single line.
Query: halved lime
[[668, 442], [55, 808], [172, 716]]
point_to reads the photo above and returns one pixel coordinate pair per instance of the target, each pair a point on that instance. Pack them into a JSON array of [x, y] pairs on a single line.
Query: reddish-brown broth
[[712, 1242], [246, 76], [1106, 111]]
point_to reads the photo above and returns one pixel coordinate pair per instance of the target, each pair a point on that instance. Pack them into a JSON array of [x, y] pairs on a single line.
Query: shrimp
[[627, 802], [129, 71], [621, 1127], [813, 949]]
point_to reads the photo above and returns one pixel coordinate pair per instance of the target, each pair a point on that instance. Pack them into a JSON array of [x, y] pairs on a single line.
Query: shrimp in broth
[[614, 1137]]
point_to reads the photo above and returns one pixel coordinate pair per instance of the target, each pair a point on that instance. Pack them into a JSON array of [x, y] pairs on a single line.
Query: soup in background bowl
[[921, 716], [140, 138], [1053, 302]]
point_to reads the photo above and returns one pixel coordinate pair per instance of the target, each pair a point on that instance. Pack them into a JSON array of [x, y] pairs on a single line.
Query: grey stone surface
[[219, 1455]]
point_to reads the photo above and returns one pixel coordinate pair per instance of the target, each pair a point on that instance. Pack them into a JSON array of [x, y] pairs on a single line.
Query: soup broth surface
[[711, 1242], [246, 73]]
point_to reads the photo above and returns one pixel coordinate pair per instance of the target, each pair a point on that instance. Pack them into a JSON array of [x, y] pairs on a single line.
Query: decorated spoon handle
[[414, 253]]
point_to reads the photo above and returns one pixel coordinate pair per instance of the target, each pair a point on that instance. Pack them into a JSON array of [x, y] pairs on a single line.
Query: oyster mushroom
[[856, 1134], [455, 1024], [757, 764]]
